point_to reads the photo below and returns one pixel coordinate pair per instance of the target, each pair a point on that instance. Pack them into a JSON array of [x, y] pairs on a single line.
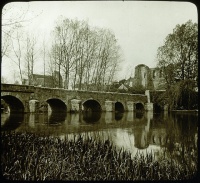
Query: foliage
[[178, 58], [179, 55], [122, 81], [137, 89], [180, 96], [185, 96], [30, 157], [113, 87], [158, 98]]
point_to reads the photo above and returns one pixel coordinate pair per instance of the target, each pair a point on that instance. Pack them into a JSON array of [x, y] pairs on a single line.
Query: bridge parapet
[[17, 88]]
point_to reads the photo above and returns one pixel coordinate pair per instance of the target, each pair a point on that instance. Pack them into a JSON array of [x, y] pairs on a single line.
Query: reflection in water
[[139, 114], [161, 133], [11, 121], [109, 117], [32, 120], [118, 116], [56, 118], [141, 132], [91, 117], [74, 119]]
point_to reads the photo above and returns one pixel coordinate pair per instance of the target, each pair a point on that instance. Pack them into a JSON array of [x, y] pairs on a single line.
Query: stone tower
[[143, 77]]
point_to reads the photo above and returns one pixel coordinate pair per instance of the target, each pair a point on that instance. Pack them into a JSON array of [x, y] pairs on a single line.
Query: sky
[[140, 27]]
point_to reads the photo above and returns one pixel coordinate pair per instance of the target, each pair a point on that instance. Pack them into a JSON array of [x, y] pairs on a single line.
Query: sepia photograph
[[99, 91]]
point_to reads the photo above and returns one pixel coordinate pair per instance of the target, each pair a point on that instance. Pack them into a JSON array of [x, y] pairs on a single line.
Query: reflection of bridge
[[26, 98], [142, 128]]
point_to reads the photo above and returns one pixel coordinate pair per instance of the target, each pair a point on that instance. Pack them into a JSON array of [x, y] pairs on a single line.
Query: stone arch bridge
[[27, 98]]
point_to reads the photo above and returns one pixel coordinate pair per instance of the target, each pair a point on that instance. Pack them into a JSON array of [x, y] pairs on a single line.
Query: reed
[[27, 156]]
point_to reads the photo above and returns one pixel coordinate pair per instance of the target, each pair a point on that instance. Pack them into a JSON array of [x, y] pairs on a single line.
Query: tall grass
[[27, 156]]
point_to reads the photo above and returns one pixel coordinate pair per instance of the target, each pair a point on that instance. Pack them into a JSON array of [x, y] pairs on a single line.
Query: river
[[163, 133]]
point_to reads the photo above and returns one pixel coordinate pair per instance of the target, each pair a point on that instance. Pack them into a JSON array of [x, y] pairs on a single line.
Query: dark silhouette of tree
[[178, 58]]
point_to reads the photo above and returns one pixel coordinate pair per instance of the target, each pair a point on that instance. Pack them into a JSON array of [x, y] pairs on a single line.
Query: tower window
[[154, 74], [161, 73]]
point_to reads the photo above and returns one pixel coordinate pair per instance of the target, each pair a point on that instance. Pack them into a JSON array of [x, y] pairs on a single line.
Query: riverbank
[[185, 111], [27, 156]]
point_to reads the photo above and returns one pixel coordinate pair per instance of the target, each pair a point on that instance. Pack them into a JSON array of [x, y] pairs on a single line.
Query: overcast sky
[[140, 27]]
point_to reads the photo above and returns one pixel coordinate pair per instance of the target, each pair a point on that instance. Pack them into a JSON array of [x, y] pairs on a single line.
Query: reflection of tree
[[180, 141]]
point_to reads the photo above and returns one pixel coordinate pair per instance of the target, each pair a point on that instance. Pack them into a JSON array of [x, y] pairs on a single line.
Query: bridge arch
[[91, 105], [119, 107], [139, 106], [157, 108], [14, 103], [57, 105]]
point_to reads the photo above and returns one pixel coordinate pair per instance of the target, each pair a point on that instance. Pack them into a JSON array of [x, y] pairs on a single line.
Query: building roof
[[41, 76], [141, 65], [123, 87]]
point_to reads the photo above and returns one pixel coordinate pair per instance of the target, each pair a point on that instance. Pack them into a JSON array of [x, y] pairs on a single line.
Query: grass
[[27, 156]]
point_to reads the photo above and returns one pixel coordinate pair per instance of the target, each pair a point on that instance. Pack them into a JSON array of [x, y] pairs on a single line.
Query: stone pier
[[130, 106], [75, 105], [33, 106], [109, 106], [148, 106]]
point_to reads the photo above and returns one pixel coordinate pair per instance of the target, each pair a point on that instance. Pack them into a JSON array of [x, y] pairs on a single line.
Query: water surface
[[163, 134]]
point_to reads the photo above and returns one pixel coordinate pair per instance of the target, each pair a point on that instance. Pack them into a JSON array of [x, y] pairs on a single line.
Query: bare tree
[[12, 20], [44, 59], [30, 56], [51, 67], [10, 23], [91, 47], [88, 56], [67, 46], [108, 57], [17, 49], [3, 80], [5, 45]]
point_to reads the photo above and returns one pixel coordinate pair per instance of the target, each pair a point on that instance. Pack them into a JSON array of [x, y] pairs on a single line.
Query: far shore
[[186, 111]]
